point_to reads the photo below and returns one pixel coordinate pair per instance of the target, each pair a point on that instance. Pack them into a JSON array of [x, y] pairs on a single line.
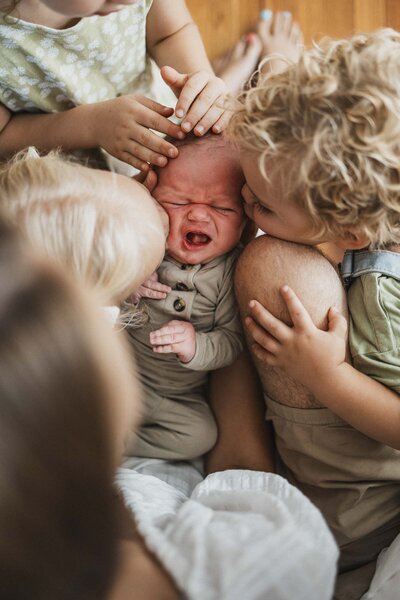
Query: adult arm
[[244, 437]]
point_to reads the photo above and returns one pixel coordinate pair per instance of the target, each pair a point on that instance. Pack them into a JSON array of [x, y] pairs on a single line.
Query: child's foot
[[236, 66], [279, 35]]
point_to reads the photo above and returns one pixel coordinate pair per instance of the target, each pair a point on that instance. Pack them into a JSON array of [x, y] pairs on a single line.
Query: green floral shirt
[[50, 70]]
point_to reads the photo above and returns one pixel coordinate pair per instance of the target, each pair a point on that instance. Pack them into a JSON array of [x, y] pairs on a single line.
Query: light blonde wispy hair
[[66, 210], [333, 123]]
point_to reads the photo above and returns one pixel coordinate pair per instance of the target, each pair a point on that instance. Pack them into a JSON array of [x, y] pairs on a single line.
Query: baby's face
[[201, 192]]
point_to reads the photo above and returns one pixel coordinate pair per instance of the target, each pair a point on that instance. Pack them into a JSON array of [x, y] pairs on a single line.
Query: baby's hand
[[122, 126], [303, 351], [200, 100], [175, 336], [151, 288]]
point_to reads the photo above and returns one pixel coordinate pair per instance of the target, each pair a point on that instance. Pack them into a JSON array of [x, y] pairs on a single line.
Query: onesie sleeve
[[374, 337], [221, 346]]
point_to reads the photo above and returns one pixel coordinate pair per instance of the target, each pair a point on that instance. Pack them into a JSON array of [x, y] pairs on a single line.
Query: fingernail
[[162, 160], [186, 126], [199, 129], [172, 152], [179, 113], [252, 304], [266, 14], [216, 129], [181, 135], [285, 288]]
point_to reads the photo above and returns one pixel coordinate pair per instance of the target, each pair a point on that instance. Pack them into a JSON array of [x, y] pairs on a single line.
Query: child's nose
[[198, 212]]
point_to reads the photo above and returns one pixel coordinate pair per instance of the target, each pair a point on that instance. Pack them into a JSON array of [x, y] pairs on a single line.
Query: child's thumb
[[173, 78], [337, 322]]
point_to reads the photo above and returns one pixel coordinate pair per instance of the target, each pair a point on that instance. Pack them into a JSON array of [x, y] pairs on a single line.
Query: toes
[[239, 49], [265, 22], [253, 46], [296, 34]]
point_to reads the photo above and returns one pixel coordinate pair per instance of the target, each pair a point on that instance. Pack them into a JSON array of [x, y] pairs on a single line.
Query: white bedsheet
[[239, 535]]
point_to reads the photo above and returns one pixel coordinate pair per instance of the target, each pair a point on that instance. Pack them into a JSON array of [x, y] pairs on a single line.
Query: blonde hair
[[334, 120], [68, 211]]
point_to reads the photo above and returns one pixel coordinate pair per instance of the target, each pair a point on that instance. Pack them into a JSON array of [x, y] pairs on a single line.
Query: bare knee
[[267, 263]]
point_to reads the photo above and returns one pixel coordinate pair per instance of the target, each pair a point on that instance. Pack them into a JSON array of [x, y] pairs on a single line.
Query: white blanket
[[241, 535]]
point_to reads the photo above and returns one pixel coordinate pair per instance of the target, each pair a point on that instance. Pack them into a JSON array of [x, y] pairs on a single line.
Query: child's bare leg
[[276, 35], [264, 266], [238, 64], [244, 439]]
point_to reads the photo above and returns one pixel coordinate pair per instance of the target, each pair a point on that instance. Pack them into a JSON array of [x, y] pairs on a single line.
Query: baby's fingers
[[167, 335], [210, 118], [337, 322], [194, 86], [222, 122], [263, 339], [264, 356], [279, 330], [299, 315], [157, 286], [206, 106]]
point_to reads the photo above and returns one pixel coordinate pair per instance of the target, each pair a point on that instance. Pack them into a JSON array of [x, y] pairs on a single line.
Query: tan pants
[[174, 429], [352, 479]]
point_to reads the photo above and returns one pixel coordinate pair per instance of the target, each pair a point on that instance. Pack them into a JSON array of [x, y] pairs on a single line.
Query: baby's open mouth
[[195, 239]]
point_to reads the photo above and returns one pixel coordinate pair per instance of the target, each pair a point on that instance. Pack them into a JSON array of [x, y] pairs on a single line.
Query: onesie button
[[179, 304], [181, 287]]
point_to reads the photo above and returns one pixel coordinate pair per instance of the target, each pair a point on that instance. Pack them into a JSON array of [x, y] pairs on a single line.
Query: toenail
[[266, 14], [251, 37]]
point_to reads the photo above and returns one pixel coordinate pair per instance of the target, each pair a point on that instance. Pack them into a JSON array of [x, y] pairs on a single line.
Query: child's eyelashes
[[261, 208]]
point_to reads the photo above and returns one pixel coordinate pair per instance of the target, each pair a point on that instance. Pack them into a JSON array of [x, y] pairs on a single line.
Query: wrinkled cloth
[[385, 584], [241, 534]]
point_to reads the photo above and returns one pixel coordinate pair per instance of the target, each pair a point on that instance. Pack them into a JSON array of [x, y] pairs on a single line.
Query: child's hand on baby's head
[[151, 288], [122, 126], [200, 100], [175, 336]]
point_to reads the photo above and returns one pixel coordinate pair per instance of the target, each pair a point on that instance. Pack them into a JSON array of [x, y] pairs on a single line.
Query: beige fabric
[[177, 421], [352, 479]]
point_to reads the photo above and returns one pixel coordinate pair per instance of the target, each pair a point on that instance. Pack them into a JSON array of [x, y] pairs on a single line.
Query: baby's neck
[[35, 12]]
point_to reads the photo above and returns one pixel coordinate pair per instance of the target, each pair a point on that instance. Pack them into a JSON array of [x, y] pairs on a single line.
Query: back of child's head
[[60, 377], [332, 124], [79, 219]]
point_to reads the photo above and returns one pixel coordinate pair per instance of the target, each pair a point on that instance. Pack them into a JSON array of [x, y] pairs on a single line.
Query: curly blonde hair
[[334, 120], [69, 212]]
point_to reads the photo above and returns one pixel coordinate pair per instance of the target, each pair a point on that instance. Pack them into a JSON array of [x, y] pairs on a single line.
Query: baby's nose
[[199, 212]]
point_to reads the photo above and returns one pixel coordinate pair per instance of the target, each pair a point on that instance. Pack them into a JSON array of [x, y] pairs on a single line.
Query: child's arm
[[316, 359], [120, 126], [173, 39]]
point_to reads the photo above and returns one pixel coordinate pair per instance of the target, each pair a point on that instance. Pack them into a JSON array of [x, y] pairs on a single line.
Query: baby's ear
[[149, 179]]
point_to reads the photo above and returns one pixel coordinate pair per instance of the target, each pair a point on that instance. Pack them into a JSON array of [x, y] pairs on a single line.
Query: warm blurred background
[[222, 22]]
